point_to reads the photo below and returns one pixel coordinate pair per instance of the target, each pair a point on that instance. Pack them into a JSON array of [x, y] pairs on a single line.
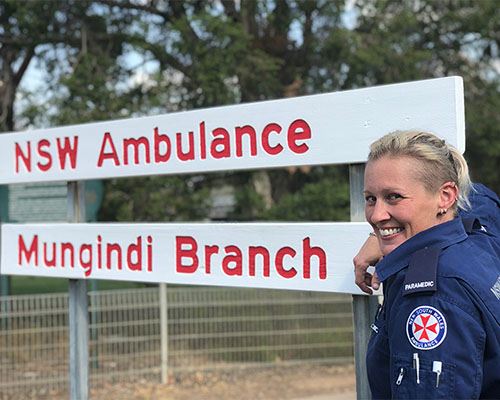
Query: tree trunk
[[9, 81]]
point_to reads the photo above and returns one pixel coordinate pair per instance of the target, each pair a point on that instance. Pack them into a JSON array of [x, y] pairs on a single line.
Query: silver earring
[[443, 211]]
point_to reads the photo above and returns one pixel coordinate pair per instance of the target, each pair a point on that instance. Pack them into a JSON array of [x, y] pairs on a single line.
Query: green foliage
[[317, 194], [36, 284], [405, 40], [24, 26], [483, 143], [155, 199], [222, 63], [249, 204], [325, 200]]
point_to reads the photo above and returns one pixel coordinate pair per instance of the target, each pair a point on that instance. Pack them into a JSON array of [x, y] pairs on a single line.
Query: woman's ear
[[448, 195]]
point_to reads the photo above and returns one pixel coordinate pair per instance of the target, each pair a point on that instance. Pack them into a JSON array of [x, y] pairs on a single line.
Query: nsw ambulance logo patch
[[426, 328]]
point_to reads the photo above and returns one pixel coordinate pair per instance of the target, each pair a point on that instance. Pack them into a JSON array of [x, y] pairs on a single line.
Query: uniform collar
[[439, 236]]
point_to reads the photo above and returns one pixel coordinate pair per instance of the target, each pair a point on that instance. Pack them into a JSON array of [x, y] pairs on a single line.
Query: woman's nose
[[378, 213]]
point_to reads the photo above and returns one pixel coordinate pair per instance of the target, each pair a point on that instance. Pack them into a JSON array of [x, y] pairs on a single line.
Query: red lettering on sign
[[110, 155], [89, 255], [235, 260], [68, 247], [117, 249], [209, 251], [49, 262], [28, 253], [253, 252], [232, 263], [280, 255], [189, 154], [203, 141], [149, 249], [99, 252], [67, 150], [43, 157], [158, 141], [309, 252], [134, 251], [25, 157], [245, 130], [220, 147], [237, 141], [135, 145], [272, 150], [298, 130], [43, 147], [181, 252], [86, 258], [242, 141]]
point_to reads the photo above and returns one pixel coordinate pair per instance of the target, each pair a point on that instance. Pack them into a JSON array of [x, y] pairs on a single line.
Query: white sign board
[[316, 257], [331, 128]]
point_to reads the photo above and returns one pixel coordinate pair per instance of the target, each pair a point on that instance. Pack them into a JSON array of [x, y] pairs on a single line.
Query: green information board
[[43, 202]]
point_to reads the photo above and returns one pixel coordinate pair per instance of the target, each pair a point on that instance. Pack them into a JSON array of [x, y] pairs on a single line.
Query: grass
[[36, 285]]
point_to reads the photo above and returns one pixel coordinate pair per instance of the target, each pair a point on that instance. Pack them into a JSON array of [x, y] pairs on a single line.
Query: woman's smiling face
[[398, 206]]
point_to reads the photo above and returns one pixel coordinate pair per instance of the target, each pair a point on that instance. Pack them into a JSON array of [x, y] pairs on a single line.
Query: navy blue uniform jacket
[[437, 335]]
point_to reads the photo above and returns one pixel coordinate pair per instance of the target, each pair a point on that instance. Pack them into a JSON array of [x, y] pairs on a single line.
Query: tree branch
[[230, 10], [30, 52], [137, 7]]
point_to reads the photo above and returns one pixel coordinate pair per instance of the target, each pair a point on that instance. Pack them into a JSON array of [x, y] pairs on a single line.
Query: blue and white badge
[[426, 328]]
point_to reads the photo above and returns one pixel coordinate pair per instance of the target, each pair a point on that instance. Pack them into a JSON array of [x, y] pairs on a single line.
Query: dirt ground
[[288, 383], [299, 382]]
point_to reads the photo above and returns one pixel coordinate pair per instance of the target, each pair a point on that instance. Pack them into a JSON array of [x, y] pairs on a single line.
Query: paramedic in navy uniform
[[437, 334]]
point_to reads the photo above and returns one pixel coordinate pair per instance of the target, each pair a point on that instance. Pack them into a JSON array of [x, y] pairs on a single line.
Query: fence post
[[4, 292], [364, 307], [78, 308], [164, 332]]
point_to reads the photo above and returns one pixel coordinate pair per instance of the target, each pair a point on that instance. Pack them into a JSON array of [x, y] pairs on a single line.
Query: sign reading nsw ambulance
[[301, 256], [328, 128]]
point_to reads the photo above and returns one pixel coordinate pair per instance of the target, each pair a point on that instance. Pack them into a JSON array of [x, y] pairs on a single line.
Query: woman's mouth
[[386, 232]]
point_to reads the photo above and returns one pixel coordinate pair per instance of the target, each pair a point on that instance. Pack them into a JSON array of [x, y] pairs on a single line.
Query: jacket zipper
[[400, 376]]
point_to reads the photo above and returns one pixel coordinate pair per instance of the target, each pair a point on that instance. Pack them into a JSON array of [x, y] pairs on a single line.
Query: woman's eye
[[370, 199], [394, 197]]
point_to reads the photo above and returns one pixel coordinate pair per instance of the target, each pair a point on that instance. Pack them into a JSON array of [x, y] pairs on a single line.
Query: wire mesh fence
[[207, 328]]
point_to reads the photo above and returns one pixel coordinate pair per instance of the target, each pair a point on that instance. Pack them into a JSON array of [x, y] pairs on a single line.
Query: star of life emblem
[[426, 328]]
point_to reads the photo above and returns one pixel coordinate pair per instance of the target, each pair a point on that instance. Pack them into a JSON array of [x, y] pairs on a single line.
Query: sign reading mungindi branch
[[266, 255], [330, 128]]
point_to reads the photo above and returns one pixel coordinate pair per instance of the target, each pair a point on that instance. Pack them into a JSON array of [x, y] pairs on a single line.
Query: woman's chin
[[389, 246]]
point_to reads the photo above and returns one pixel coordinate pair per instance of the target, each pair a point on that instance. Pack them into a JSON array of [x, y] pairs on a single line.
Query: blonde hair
[[440, 161]]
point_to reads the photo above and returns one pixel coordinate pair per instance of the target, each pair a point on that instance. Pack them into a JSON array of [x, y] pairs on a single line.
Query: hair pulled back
[[440, 161]]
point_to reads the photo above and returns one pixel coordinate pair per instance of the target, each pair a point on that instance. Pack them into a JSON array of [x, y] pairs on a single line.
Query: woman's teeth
[[390, 231]]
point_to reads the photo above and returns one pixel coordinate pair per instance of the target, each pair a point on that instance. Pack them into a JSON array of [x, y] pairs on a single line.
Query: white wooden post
[[164, 332], [364, 307], [78, 308]]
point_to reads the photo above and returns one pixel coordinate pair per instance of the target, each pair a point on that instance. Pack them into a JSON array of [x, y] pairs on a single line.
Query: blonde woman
[[437, 334]]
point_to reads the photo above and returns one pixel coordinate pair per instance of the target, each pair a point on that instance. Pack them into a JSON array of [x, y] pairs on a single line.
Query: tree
[[398, 41], [242, 51], [23, 27], [214, 54]]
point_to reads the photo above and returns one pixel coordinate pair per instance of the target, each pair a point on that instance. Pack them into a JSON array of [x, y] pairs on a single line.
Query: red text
[[136, 256], [235, 261]]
